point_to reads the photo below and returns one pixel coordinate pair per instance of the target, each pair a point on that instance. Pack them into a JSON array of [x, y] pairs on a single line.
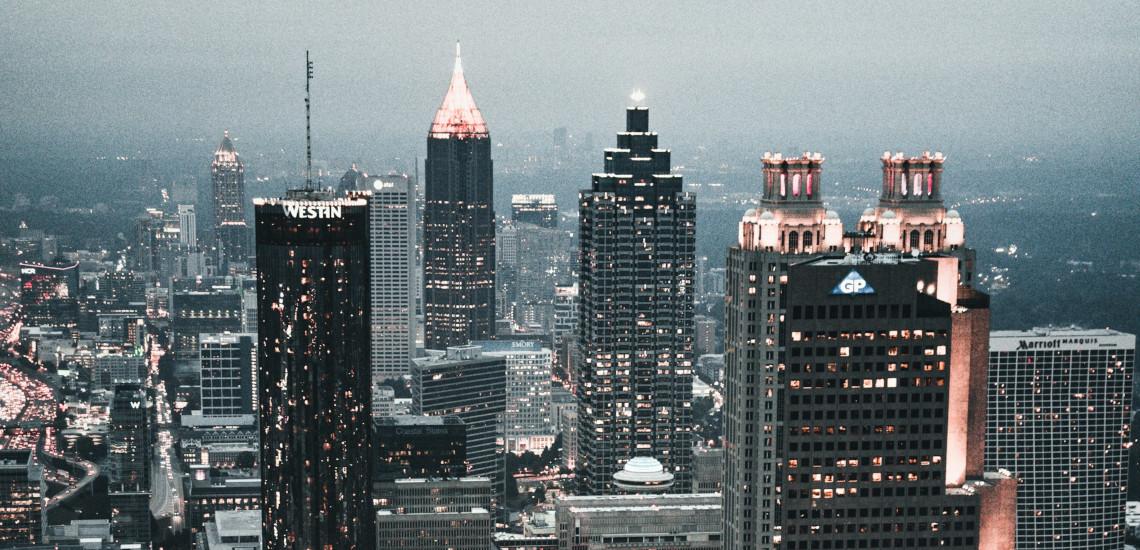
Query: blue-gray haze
[[855, 77]]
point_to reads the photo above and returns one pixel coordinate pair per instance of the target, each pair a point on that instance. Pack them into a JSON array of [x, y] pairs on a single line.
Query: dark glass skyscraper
[[228, 175], [635, 322], [313, 372], [459, 223]]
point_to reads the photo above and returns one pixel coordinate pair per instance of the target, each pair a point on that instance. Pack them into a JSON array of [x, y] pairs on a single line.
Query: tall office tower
[[792, 226], [206, 307], [229, 374], [187, 226], [540, 210], [867, 406], [527, 422], [459, 223], [158, 242], [565, 333], [1059, 412], [635, 322], [465, 383], [313, 335], [49, 294], [22, 492], [129, 454], [230, 229], [506, 268], [706, 341], [391, 212]]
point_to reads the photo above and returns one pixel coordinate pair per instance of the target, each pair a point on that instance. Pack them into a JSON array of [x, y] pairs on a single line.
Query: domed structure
[[953, 214], [643, 474], [767, 215], [831, 215], [750, 213], [869, 212], [889, 215]]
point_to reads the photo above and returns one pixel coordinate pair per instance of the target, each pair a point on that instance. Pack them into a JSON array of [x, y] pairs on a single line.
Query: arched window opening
[[793, 241], [914, 239]]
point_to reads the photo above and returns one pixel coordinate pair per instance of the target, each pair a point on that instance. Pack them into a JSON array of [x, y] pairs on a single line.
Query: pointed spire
[[458, 116]]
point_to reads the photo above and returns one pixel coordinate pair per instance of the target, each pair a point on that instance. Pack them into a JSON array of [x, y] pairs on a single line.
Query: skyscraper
[[635, 324], [1060, 405], [791, 228], [459, 223], [230, 229], [313, 361], [391, 209], [129, 455], [187, 226]]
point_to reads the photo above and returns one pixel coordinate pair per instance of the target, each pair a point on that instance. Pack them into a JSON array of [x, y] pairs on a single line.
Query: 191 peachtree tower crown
[[635, 324], [459, 223], [855, 370]]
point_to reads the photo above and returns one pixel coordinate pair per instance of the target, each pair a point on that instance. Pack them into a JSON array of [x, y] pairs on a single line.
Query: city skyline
[[826, 311]]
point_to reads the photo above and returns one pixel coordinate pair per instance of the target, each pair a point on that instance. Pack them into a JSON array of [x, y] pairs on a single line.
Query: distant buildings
[[635, 323], [459, 223], [465, 383], [1059, 409], [22, 491], [231, 232], [313, 354], [540, 210]]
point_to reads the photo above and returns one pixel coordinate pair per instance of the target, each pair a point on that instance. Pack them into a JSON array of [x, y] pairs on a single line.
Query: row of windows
[[852, 311]]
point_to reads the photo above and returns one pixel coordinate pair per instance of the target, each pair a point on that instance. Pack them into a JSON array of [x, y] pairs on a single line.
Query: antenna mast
[[308, 130]]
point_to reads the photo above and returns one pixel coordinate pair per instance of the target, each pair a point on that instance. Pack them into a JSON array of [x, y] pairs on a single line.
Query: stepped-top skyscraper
[[635, 323], [313, 315], [459, 223], [230, 229]]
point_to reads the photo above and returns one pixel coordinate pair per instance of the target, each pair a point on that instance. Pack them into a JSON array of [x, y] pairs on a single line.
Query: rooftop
[[458, 116]]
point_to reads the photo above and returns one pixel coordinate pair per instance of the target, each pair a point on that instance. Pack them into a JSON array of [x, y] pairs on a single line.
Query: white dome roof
[[750, 213], [953, 214], [831, 215], [643, 474], [889, 215], [767, 215], [869, 212]]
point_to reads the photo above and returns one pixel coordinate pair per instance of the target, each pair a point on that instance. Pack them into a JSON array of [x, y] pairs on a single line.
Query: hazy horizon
[[1021, 76]]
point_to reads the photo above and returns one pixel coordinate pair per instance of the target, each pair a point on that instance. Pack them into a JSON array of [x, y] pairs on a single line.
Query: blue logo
[[852, 284]]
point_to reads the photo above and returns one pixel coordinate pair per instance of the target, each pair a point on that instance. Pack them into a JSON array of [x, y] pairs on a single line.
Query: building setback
[[635, 323], [1059, 411], [459, 223], [313, 371]]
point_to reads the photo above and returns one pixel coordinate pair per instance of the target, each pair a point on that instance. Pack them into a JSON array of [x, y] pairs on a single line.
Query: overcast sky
[[891, 74]]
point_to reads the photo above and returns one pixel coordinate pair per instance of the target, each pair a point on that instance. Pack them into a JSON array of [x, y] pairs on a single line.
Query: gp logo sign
[[853, 284]]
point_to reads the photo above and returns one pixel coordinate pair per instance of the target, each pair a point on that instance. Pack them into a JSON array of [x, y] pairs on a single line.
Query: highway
[[166, 499]]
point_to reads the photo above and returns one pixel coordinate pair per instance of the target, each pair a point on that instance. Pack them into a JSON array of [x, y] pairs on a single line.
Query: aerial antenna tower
[[308, 128]]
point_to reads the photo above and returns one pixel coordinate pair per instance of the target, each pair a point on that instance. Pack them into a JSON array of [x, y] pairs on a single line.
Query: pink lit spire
[[458, 116]]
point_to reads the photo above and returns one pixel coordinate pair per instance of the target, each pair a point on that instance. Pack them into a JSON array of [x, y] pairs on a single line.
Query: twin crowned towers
[[841, 408]]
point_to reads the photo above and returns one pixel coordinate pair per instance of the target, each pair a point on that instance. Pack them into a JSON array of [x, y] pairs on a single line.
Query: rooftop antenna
[[308, 129]]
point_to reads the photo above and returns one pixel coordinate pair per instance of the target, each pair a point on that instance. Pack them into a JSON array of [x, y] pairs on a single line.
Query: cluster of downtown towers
[[855, 383]]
